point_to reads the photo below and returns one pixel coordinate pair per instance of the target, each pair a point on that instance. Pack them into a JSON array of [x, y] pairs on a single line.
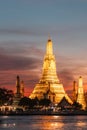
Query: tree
[[77, 106], [44, 102], [6, 96], [35, 102], [25, 101]]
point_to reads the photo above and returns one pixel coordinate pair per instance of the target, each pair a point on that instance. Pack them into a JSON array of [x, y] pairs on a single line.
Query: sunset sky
[[24, 29]]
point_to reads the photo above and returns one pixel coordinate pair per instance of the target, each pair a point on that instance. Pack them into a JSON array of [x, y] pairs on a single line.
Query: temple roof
[[64, 102]]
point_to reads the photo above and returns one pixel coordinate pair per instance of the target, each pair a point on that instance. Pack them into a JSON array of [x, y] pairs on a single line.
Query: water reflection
[[7, 125], [56, 125], [50, 124], [81, 124], [43, 122], [4, 117]]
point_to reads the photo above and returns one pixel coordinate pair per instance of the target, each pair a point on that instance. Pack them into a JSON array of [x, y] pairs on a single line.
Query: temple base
[[54, 92]]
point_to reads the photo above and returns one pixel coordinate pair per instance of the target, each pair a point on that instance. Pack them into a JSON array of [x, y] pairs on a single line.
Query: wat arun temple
[[49, 85]]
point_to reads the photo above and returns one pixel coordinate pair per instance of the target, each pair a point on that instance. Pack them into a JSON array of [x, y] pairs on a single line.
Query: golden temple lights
[[49, 85]]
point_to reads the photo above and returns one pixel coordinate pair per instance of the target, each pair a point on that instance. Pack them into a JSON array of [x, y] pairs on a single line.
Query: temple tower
[[18, 85], [80, 94], [49, 85], [17, 95], [74, 91]]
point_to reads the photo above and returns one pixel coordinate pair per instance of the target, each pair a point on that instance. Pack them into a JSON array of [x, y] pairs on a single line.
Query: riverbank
[[59, 113]]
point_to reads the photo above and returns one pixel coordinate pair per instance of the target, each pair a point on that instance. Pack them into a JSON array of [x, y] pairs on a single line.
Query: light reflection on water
[[81, 124], [43, 122]]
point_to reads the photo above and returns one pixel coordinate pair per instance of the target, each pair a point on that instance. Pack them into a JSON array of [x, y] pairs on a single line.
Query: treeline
[[31, 103], [6, 96]]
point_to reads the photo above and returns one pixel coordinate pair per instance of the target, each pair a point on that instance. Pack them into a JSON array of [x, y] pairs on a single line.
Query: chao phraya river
[[43, 122]]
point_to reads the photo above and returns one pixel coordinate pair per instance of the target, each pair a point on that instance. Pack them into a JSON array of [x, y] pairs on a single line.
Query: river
[[43, 122]]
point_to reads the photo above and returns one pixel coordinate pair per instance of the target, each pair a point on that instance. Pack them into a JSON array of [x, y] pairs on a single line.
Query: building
[[49, 85], [74, 91], [19, 92], [80, 94], [64, 104]]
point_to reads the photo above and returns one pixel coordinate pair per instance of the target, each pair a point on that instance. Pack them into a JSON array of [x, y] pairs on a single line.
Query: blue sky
[[25, 26]]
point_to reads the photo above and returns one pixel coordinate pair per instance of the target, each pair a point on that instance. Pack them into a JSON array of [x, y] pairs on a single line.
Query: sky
[[25, 26]]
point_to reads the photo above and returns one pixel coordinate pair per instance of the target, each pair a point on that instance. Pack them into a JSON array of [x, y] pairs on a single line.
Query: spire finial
[[49, 37], [49, 47], [80, 81]]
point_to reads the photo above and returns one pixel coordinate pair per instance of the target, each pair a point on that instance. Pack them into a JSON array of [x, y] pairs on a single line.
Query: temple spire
[[49, 85], [18, 84], [74, 91], [17, 95], [81, 97], [49, 50], [80, 82]]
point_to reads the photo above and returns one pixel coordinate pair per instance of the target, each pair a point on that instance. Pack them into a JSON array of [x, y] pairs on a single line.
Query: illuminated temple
[[49, 86], [80, 94]]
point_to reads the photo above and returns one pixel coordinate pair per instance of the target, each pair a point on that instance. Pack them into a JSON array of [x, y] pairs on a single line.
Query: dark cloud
[[66, 77], [35, 51], [20, 58], [18, 31], [8, 62], [75, 29], [20, 48], [39, 31], [25, 31]]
